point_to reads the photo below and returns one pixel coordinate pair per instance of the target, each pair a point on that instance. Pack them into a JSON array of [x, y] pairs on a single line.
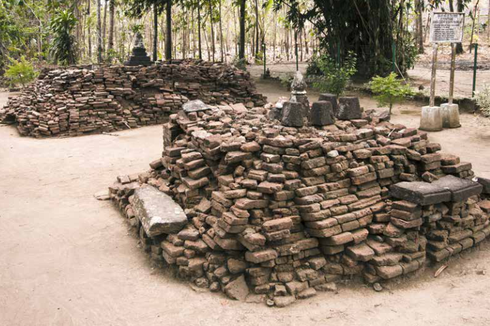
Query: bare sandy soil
[[67, 259], [419, 76]]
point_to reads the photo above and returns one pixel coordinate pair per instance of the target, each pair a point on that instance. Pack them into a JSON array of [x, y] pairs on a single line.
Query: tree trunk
[[256, 28], [274, 38], [110, 45], [459, 46], [99, 34], [419, 10], [89, 34], [155, 32], [473, 23], [193, 28], [488, 21], [241, 51], [221, 33], [206, 41], [213, 45], [168, 37], [199, 41], [104, 27]]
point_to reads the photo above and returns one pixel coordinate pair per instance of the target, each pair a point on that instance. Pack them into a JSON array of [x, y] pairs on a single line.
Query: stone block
[[292, 114], [461, 189], [421, 193], [158, 212], [322, 114], [349, 108]]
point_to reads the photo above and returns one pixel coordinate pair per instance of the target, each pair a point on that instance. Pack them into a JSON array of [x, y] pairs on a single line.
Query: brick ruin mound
[[77, 101], [274, 214]]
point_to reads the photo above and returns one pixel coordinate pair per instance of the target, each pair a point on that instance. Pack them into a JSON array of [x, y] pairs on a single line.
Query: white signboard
[[447, 27]]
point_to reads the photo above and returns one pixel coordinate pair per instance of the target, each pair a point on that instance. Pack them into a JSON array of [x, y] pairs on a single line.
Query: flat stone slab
[[158, 212], [461, 189], [485, 183], [195, 106], [421, 193]]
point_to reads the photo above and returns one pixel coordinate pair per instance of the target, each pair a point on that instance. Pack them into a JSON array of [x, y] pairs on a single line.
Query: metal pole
[[451, 76], [474, 69], [433, 75]]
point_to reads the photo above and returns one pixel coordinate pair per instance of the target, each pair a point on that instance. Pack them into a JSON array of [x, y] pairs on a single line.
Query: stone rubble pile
[[277, 213], [73, 102]]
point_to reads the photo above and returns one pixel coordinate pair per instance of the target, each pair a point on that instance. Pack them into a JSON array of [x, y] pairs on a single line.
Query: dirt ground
[[419, 76], [68, 259]]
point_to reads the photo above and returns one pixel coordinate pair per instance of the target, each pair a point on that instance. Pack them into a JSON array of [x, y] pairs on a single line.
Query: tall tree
[[168, 36], [89, 26], [222, 48], [213, 49], [99, 34], [199, 41], [155, 32], [241, 46], [368, 28], [419, 11], [459, 46], [104, 28], [112, 8]]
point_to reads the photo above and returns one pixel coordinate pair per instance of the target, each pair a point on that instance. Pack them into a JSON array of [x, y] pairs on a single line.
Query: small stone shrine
[[139, 56]]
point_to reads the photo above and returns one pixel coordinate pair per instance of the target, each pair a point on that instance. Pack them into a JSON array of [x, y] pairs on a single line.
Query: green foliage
[[482, 98], [313, 69], [63, 44], [389, 90], [286, 80], [20, 72], [335, 75], [369, 28]]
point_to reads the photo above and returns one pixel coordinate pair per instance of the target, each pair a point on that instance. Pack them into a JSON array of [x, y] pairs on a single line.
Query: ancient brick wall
[[77, 101], [286, 211]]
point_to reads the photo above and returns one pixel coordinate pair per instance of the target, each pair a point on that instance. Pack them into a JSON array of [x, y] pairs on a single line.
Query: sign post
[[432, 101], [446, 27]]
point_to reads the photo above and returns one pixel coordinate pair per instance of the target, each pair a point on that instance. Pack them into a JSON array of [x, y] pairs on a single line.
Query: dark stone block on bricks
[[332, 99], [421, 193], [349, 108], [485, 183], [292, 114], [158, 212], [461, 189], [322, 114]]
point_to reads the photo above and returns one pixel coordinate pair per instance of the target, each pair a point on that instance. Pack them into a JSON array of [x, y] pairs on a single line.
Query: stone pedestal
[[349, 108], [450, 115], [322, 114], [292, 114], [431, 118], [300, 97], [333, 101]]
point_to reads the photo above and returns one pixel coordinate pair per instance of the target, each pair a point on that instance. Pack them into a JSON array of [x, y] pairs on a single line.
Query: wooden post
[[433, 75], [451, 75]]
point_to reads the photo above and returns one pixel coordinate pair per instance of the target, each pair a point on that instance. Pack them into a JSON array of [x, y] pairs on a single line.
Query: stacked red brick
[[76, 101], [291, 209]]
